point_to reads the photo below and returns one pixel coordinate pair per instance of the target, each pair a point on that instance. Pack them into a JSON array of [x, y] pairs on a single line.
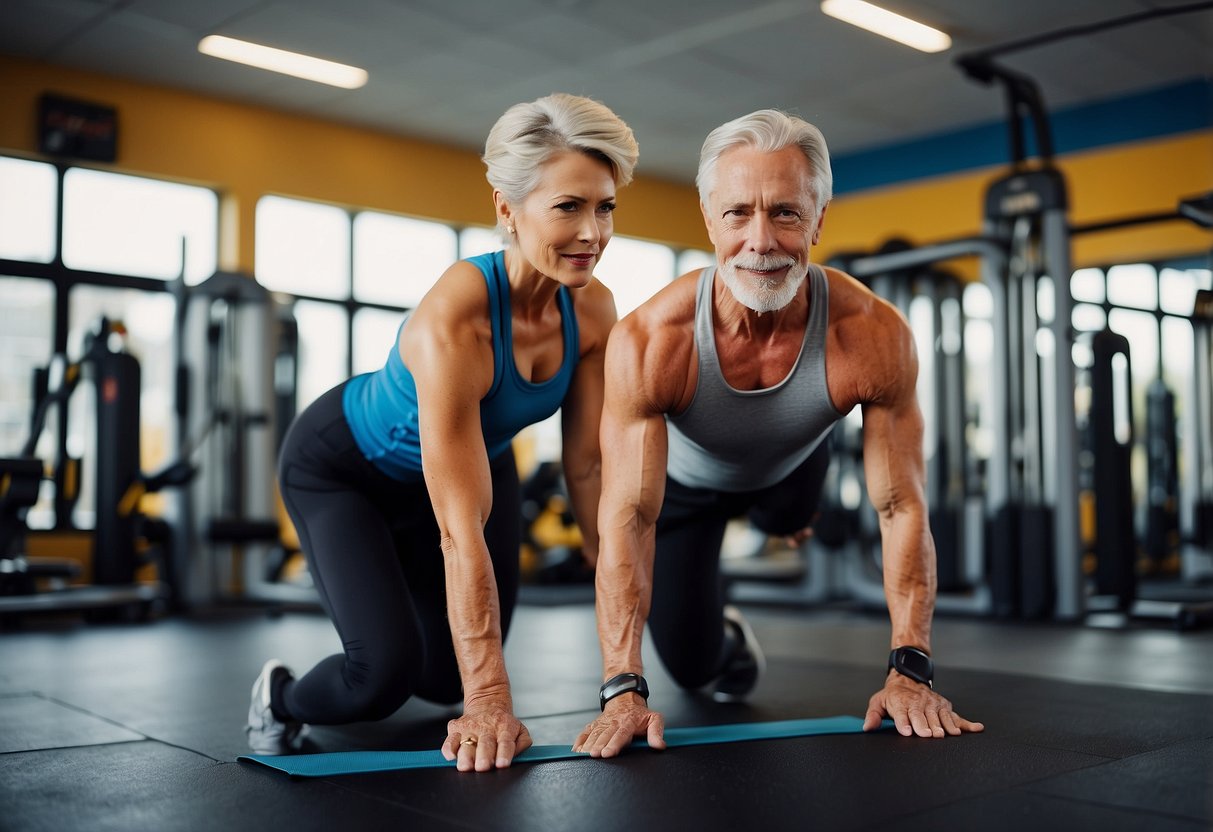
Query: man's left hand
[[915, 709]]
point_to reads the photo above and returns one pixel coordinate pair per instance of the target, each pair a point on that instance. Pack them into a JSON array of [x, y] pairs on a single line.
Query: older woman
[[402, 483]]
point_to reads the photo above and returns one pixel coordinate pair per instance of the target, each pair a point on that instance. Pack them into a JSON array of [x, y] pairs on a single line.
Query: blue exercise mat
[[361, 762]]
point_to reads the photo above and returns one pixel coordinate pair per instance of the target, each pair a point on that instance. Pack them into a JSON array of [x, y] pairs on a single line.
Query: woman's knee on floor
[[378, 687]]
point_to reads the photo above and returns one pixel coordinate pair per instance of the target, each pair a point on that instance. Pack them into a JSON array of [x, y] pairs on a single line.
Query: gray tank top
[[744, 440]]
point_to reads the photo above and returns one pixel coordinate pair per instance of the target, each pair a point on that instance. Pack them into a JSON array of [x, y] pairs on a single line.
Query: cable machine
[[1196, 504], [234, 392]]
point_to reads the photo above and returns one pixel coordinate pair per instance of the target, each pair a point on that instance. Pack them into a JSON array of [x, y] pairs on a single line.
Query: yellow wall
[[246, 151], [1107, 183]]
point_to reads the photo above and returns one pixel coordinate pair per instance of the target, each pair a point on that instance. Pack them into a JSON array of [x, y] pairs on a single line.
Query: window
[[1177, 290], [397, 259], [921, 315], [1133, 285], [1141, 330], [977, 303], [141, 227], [323, 357], [693, 258], [475, 240], [375, 333], [28, 206], [27, 314], [303, 248], [1087, 285], [1087, 317], [634, 270], [1179, 347]]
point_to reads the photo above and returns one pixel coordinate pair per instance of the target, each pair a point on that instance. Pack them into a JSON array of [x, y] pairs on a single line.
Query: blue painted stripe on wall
[[1164, 111]]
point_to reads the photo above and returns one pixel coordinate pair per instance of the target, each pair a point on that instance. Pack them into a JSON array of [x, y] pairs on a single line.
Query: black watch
[[623, 683], [914, 664]]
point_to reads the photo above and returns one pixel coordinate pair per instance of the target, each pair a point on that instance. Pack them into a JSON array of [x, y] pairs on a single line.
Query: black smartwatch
[[914, 664], [623, 683]]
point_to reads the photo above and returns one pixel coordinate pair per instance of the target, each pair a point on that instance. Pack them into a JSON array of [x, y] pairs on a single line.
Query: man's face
[[762, 218]]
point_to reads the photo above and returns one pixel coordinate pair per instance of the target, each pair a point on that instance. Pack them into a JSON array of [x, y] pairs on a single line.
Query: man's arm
[[894, 470], [895, 474], [633, 439]]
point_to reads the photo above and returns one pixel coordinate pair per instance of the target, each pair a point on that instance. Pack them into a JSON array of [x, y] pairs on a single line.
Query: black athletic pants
[[687, 613], [372, 544]]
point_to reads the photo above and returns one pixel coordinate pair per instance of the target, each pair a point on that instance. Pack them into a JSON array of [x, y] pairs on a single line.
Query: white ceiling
[[673, 69]]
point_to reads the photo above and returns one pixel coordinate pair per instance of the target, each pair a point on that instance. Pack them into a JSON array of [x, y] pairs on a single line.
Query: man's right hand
[[625, 717]]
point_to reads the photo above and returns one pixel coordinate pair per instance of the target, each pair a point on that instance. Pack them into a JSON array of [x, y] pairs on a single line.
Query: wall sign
[[78, 129]]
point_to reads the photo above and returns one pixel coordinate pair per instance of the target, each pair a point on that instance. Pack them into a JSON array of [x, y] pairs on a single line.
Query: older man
[[720, 392]]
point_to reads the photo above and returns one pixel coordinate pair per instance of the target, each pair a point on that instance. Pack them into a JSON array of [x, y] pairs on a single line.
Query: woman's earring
[[510, 229]]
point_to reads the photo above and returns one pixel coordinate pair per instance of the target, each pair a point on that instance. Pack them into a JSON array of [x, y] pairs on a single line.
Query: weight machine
[[123, 538]]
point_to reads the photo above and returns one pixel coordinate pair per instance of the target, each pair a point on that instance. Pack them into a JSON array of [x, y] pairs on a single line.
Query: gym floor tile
[[149, 785], [1019, 810], [32, 722], [1177, 780], [824, 782], [167, 701]]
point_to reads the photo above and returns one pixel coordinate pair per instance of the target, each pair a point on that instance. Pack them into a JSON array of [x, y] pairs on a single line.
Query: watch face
[[914, 664]]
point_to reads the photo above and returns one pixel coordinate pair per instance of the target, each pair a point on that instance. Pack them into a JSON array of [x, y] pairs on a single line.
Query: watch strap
[[913, 663], [623, 683]]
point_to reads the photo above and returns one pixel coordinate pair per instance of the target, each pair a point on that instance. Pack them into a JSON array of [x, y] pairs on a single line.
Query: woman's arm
[[581, 416], [447, 347]]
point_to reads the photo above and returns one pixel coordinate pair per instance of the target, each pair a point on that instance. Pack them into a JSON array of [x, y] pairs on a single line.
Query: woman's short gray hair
[[527, 135], [768, 131]]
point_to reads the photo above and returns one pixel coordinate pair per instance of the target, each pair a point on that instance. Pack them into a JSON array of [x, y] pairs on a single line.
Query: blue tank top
[[381, 406]]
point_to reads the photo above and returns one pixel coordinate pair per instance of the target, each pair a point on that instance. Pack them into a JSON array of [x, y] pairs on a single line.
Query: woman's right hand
[[487, 736]]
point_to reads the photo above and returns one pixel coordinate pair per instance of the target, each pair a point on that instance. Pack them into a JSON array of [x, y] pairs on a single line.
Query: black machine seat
[[20, 480]]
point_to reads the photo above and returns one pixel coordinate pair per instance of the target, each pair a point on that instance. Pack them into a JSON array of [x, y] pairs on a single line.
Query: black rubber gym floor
[[133, 727]]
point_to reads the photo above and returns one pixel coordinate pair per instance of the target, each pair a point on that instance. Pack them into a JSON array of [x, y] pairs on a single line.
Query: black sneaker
[[745, 666]]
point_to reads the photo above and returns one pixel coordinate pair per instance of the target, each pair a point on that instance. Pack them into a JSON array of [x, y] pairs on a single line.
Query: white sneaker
[[266, 733]]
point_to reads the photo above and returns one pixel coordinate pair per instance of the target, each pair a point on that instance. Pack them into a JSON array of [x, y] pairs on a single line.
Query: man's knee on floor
[[692, 671]]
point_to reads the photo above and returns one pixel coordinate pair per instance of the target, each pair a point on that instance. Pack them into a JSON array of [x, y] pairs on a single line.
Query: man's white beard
[[759, 293]]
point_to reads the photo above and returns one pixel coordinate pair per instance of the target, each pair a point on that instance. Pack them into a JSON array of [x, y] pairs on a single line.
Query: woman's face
[[564, 224]]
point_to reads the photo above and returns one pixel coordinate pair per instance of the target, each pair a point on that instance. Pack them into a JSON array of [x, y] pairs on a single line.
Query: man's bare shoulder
[[673, 304], [872, 350], [652, 347], [858, 310]]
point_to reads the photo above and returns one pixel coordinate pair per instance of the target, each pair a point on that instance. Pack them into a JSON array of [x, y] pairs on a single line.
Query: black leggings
[[687, 613], [372, 544]]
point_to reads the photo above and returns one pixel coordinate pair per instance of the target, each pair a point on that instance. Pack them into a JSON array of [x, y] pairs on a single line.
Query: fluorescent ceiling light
[[887, 24], [279, 60]]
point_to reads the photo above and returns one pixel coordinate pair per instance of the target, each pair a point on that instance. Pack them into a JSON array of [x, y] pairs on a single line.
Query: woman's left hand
[[487, 736]]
